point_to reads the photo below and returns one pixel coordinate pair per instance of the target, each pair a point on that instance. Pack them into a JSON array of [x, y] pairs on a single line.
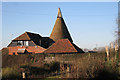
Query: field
[[79, 66]]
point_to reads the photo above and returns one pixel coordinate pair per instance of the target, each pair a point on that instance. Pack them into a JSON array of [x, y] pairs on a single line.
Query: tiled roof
[[21, 50], [30, 49], [35, 49], [28, 36], [61, 46], [78, 49]]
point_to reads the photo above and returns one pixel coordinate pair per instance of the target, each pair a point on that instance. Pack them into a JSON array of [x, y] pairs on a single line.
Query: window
[[23, 43], [27, 44], [20, 43]]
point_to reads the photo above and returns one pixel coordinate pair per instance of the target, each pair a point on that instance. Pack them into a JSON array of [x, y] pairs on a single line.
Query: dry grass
[[10, 73]]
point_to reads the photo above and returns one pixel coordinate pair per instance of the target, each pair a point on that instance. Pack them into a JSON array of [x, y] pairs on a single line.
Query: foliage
[[91, 65], [54, 66], [86, 65], [4, 51], [106, 74], [8, 73]]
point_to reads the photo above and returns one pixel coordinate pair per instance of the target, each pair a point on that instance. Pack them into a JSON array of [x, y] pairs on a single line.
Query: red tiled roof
[[21, 50], [30, 49], [35, 49], [61, 46]]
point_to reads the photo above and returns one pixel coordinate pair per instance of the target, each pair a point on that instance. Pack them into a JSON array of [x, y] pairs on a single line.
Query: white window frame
[[27, 43], [21, 43]]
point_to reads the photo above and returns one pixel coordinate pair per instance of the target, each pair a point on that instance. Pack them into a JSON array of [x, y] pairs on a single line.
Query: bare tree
[[119, 28]]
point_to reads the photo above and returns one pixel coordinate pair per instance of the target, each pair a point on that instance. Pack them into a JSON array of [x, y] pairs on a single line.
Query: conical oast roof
[[60, 30]]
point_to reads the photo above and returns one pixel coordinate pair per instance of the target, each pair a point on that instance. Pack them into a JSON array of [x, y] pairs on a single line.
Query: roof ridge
[[28, 35], [31, 33], [61, 43]]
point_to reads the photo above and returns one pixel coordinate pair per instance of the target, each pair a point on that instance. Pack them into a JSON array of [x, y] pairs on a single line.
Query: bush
[[55, 66], [106, 74], [8, 73]]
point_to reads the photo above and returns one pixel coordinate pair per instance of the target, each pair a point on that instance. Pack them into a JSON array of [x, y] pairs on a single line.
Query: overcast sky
[[89, 23]]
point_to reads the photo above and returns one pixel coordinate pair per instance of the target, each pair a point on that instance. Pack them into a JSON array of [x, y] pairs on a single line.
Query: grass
[[51, 77], [8, 73]]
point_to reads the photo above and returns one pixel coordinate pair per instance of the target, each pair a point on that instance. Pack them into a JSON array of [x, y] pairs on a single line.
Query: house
[[29, 43], [59, 41]]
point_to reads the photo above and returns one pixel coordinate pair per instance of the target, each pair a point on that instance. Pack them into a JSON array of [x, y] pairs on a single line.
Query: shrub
[[55, 66], [106, 74], [8, 73]]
